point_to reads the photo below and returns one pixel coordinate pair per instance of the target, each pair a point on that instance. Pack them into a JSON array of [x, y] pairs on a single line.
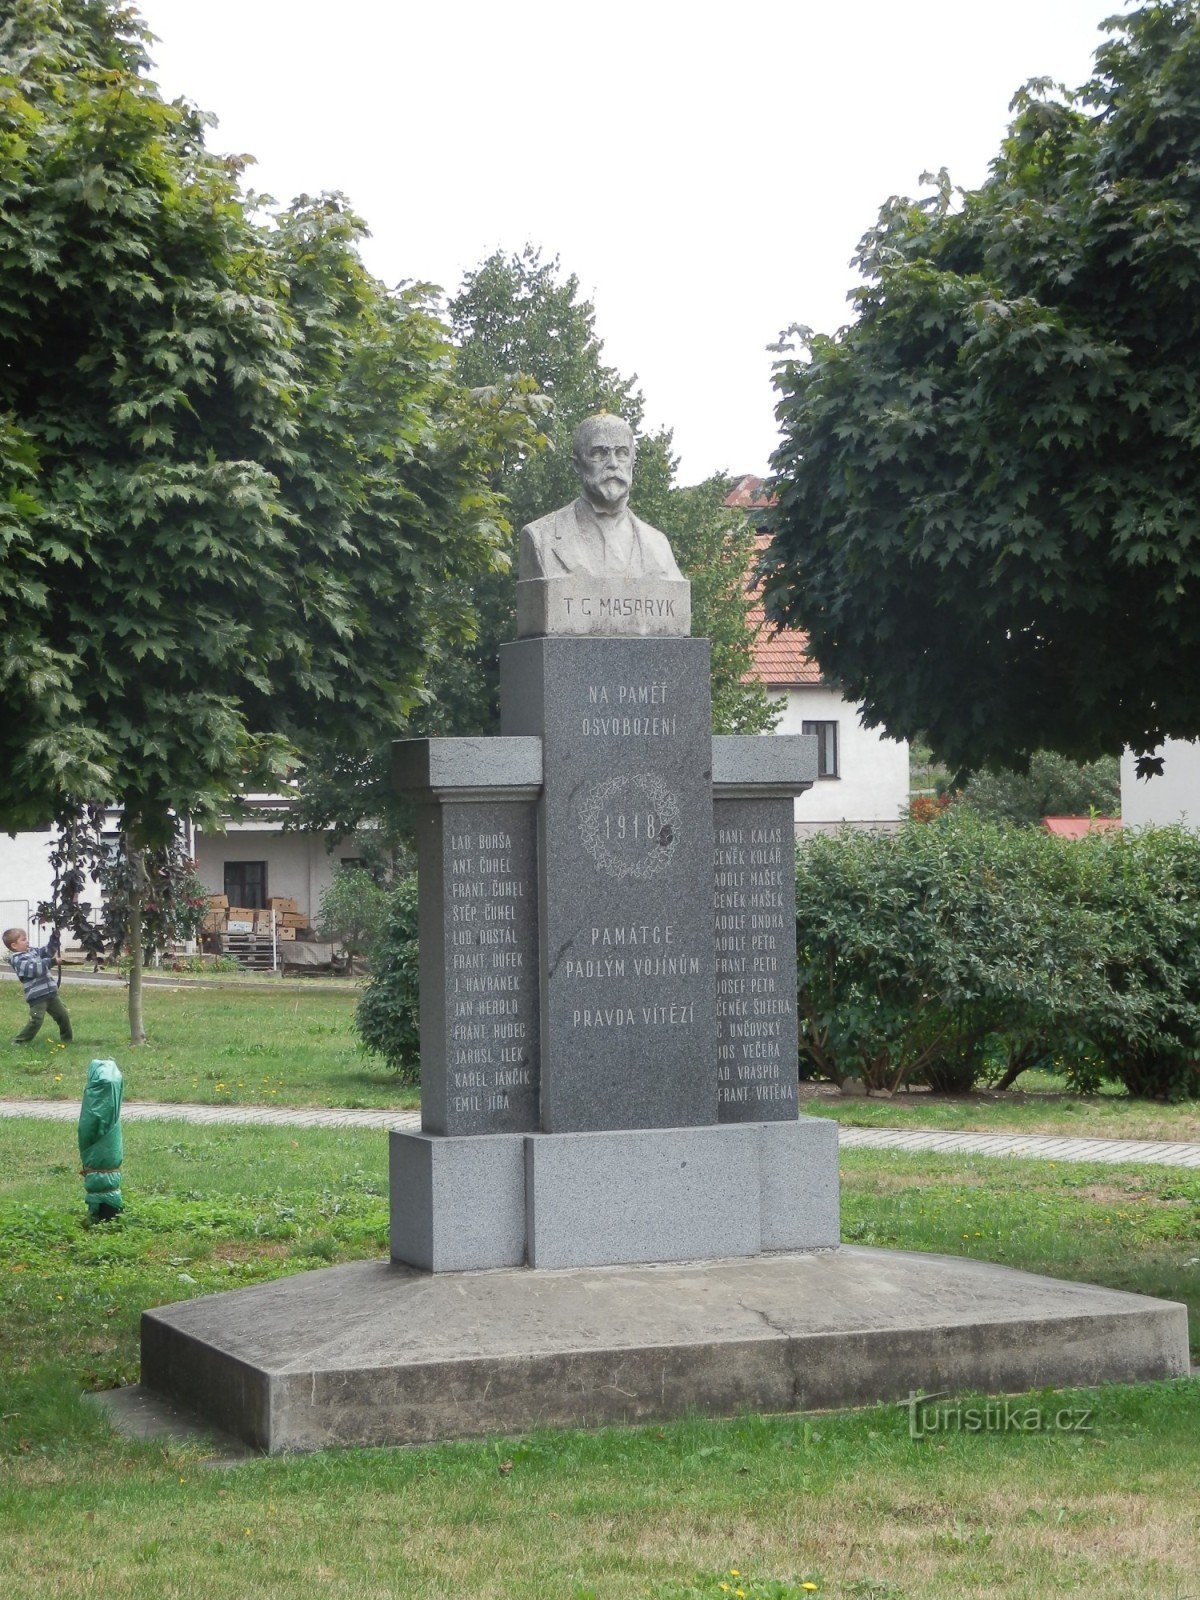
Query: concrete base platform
[[375, 1354]]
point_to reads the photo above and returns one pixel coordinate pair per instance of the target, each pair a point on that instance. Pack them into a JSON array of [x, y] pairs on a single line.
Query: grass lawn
[[215, 1046], [847, 1502], [258, 1046], [1039, 1105]]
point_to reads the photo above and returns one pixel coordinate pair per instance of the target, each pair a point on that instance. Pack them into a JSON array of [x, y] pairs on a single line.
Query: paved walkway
[[1031, 1146]]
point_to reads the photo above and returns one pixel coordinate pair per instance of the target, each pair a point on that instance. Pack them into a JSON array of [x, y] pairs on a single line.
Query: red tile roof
[[1076, 827], [781, 660]]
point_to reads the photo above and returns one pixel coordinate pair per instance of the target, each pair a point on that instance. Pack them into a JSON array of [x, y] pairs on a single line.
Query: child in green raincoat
[[101, 1148]]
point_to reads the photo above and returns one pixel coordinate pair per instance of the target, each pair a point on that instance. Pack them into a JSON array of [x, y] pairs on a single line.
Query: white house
[[249, 862], [255, 859], [863, 775], [1172, 797]]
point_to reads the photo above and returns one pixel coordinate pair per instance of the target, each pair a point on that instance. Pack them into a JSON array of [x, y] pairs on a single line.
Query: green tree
[[242, 489], [989, 483], [353, 910]]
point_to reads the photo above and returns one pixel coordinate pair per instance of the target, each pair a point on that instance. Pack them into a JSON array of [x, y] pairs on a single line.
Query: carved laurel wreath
[[639, 789]]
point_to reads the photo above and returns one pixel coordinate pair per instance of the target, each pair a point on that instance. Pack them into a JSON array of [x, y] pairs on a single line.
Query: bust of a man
[[597, 536]]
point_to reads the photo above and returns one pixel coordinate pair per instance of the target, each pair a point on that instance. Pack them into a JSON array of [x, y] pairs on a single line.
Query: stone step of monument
[[374, 1354], [1029, 1146]]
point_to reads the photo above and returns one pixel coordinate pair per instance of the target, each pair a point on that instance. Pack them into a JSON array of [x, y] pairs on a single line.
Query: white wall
[[297, 863], [26, 879], [872, 790], [1174, 797], [25, 876]]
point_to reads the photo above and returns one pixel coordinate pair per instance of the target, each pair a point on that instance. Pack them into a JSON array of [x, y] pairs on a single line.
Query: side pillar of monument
[[755, 782], [458, 1187]]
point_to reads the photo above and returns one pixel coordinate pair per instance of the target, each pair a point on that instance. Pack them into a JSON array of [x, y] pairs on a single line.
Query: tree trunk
[[137, 896]]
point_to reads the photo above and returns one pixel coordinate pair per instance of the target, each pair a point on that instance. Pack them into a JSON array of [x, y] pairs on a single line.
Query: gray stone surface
[[477, 894], [755, 903], [668, 1194], [597, 536], [798, 1184], [457, 1204], [372, 1354], [755, 765], [613, 605], [628, 1002], [458, 767], [593, 1199]]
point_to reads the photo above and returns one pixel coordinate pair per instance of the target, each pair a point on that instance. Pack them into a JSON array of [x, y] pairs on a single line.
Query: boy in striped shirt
[[41, 990]]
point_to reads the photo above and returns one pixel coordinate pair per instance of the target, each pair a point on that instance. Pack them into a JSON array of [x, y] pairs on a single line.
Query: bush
[[387, 1015], [924, 953], [1147, 887], [352, 912], [964, 948], [1052, 787]]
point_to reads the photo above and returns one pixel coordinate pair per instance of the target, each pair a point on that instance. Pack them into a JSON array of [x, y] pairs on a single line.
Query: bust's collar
[[585, 506]]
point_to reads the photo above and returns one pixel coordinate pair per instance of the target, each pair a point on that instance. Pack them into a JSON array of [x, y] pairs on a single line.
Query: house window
[[246, 884], [827, 747]]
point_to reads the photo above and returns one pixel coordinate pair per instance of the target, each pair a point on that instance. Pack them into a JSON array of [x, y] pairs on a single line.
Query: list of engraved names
[[491, 987], [756, 960]]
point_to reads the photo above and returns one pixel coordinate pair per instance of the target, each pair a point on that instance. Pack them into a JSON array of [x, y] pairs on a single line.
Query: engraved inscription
[[491, 980], [756, 964], [629, 826], [610, 607], [627, 711]]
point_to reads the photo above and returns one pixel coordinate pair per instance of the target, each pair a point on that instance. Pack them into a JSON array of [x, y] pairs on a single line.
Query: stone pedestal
[[596, 1199], [375, 1354], [755, 888], [592, 607], [608, 1008]]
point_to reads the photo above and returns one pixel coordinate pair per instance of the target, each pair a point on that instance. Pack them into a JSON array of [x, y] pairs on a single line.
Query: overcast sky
[[705, 172]]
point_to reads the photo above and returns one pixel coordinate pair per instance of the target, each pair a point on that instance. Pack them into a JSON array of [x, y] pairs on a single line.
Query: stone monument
[[607, 931], [608, 1085]]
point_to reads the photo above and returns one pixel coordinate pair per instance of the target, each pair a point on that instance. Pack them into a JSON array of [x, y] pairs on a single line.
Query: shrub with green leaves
[[387, 1018], [353, 911], [1053, 786], [964, 948]]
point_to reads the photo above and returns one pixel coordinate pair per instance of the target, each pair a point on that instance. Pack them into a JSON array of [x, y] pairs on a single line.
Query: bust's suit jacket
[[564, 543]]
